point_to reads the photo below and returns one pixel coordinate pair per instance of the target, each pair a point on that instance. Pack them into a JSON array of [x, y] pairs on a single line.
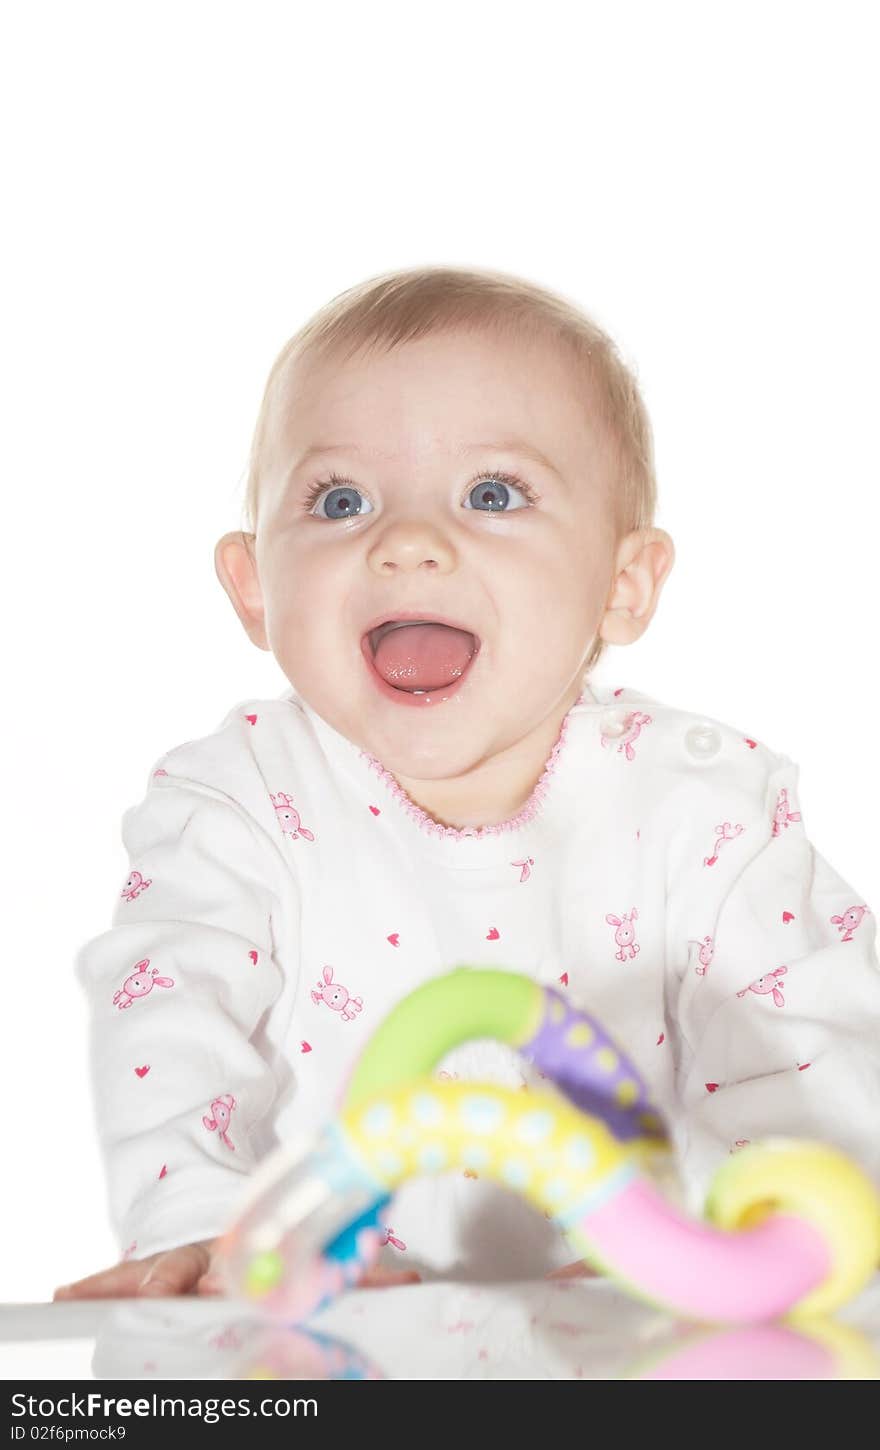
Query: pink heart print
[[375, 810], [164, 1170], [306, 1047], [787, 916], [752, 744], [251, 718], [142, 1071], [394, 938], [253, 957], [711, 1087], [564, 979], [492, 935]]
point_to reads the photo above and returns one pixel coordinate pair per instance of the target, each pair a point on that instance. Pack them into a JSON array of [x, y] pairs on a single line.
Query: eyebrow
[[507, 445]]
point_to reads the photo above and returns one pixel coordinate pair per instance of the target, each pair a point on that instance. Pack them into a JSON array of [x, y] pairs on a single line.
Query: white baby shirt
[[285, 893]]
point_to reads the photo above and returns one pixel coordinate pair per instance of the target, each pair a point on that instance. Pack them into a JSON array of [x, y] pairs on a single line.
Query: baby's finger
[[211, 1283], [120, 1282], [175, 1272]]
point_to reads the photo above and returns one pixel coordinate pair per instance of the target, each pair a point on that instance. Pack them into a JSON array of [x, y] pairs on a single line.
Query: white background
[[184, 184]]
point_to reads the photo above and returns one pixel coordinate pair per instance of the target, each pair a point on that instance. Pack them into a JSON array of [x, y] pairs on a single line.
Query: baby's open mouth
[[419, 655]]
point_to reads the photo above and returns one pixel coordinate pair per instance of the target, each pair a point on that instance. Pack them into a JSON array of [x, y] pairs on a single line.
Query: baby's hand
[[577, 1270], [190, 1269], [185, 1270], [381, 1278]]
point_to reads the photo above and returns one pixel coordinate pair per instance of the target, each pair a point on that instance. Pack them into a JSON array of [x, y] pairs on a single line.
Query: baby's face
[[418, 434]]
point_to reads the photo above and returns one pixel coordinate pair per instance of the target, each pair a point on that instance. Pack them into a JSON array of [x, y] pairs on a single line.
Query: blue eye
[[492, 492], [344, 499]]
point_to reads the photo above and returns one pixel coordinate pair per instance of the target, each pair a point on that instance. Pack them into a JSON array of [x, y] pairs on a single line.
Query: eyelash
[[316, 489]]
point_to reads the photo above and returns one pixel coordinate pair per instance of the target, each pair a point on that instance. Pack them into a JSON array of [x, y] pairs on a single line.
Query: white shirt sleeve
[[176, 989], [779, 1021]]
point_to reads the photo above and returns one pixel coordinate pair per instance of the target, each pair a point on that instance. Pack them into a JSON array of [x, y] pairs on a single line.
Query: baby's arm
[[177, 988], [780, 1034]]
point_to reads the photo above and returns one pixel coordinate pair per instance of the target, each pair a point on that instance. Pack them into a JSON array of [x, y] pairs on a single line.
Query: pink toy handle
[[699, 1270]]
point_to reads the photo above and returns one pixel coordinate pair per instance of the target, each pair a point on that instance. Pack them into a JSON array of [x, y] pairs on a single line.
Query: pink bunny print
[[705, 953], [221, 1112], [288, 817], [338, 998], [139, 984], [633, 724], [765, 985], [134, 886], [723, 833], [851, 919], [782, 815], [625, 934]]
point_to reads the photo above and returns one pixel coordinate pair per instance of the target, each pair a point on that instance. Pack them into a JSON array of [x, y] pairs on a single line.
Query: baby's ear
[[236, 567], [643, 561]]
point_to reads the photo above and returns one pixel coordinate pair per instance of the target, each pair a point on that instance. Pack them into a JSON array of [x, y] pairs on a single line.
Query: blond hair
[[403, 306]]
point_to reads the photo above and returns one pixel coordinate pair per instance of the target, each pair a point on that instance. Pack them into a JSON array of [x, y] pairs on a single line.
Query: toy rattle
[[792, 1227]]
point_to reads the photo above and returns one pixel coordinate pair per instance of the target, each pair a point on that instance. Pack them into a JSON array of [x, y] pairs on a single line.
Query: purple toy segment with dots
[[581, 1076]]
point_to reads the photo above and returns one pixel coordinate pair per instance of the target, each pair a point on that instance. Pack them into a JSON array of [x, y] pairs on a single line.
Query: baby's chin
[[437, 745]]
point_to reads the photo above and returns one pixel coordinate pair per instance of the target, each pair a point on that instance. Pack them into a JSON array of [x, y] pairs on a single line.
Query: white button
[[703, 741], [613, 722]]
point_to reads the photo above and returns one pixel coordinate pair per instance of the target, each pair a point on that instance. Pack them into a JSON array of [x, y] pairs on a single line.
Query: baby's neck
[[496, 790]]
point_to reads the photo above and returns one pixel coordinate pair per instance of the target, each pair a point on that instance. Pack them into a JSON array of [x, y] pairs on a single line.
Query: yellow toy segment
[[814, 1182], [537, 1144]]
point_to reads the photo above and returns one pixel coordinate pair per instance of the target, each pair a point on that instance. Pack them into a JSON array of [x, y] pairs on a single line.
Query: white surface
[[49, 1341], [47, 1359], [585, 1329], [184, 193]]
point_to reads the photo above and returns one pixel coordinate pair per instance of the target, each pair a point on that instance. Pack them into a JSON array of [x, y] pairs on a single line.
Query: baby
[[450, 508]]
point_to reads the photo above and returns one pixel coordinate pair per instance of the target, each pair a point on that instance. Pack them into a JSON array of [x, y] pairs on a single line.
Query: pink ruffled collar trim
[[433, 828]]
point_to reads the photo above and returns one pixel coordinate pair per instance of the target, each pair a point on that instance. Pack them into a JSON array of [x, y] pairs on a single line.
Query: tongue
[[424, 656]]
